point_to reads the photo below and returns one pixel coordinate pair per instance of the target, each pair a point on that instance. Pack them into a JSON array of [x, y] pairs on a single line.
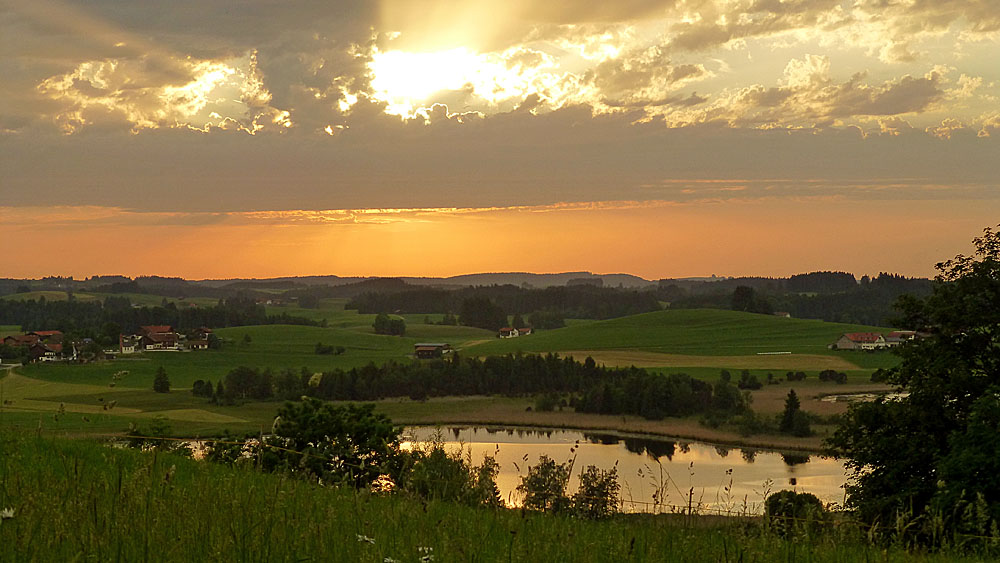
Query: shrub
[[791, 513], [832, 375], [546, 402], [598, 495], [544, 487]]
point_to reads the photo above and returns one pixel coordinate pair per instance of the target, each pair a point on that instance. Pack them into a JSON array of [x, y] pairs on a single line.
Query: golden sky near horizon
[[657, 137]]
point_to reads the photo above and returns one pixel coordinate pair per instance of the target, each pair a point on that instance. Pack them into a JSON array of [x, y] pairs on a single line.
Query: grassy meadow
[[67, 500], [76, 398]]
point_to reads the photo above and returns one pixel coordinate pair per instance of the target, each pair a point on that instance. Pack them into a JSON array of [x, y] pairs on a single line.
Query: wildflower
[[6, 513], [366, 539], [428, 555], [390, 560]]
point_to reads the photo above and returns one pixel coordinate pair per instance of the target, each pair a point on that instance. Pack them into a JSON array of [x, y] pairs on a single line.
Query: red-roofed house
[[18, 340], [508, 332], [860, 341]]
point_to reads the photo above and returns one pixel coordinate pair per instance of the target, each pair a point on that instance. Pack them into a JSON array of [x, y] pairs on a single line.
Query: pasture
[[700, 337], [75, 398]]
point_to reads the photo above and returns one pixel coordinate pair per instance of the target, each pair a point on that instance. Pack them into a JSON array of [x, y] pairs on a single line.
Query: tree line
[[593, 388], [105, 320]]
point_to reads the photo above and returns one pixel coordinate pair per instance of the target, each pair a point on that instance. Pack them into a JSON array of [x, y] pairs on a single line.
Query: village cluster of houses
[[51, 345], [42, 345], [874, 340], [163, 338]]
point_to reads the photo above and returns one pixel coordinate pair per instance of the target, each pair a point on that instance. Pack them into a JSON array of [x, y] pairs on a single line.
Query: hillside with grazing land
[[699, 338]]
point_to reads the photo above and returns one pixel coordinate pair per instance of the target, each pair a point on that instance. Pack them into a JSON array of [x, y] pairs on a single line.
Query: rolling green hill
[[701, 332]]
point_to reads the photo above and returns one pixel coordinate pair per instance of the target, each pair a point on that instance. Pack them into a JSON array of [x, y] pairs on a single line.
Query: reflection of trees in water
[[657, 449], [795, 459], [723, 451], [748, 455], [603, 439]]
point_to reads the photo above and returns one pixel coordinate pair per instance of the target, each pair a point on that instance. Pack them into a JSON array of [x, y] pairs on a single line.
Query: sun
[[405, 80], [410, 81]]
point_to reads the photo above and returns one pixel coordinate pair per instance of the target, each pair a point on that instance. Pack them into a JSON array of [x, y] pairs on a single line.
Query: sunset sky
[[670, 138]]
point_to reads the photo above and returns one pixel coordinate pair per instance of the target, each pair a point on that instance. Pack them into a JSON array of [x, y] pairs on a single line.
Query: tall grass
[[78, 500]]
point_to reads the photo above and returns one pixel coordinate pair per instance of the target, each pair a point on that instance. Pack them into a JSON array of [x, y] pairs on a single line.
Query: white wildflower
[[390, 560], [6, 513], [366, 539]]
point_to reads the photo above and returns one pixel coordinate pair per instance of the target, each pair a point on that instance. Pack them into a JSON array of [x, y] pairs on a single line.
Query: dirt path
[[638, 358]]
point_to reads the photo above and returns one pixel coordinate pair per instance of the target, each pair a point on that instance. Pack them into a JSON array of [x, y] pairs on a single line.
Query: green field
[[697, 342], [709, 332]]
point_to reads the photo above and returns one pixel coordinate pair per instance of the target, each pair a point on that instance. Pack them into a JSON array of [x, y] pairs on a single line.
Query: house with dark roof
[[898, 337], [429, 350]]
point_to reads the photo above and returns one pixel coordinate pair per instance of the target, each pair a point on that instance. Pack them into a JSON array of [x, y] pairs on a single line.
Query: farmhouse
[[860, 341], [428, 350], [897, 337], [129, 344], [509, 332], [42, 352], [18, 340], [159, 337], [197, 344], [50, 336]]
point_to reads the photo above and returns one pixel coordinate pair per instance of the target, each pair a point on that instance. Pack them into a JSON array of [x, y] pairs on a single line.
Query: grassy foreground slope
[[77, 500]]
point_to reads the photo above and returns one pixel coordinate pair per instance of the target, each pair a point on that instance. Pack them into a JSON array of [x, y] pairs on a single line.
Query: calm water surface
[[714, 478]]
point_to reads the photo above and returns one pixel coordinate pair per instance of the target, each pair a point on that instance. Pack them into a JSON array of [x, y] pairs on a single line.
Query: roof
[[862, 336], [154, 329], [431, 345], [902, 334], [162, 337], [22, 339], [57, 348], [507, 329], [44, 333]]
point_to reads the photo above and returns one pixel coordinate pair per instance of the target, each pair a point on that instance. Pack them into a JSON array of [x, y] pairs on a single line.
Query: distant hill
[[533, 280]]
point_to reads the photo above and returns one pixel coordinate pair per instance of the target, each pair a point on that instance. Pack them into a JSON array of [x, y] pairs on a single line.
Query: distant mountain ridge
[[493, 278]]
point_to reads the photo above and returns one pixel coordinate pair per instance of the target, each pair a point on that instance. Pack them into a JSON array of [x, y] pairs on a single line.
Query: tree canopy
[[937, 448]]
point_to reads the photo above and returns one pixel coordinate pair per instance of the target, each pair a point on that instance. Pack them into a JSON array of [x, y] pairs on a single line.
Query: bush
[[832, 375], [439, 475], [791, 513], [544, 487], [748, 381], [546, 402], [598, 495]]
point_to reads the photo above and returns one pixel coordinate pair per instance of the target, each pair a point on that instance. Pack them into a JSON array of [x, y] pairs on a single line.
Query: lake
[[656, 474]]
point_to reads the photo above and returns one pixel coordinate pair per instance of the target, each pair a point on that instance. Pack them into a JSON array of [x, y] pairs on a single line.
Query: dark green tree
[[793, 420], [482, 312], [518, 321], [937, 446], [544, 487], [384, 324], [161, 384], [349, 443]]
